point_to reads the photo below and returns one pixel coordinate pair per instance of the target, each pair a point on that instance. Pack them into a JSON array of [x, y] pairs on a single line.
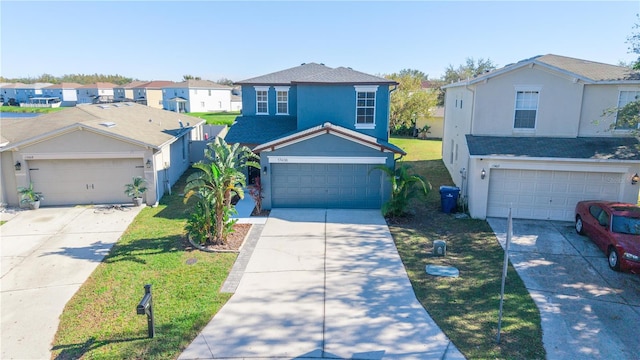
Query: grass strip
[[466, 307], [100, 321], [217, 118]]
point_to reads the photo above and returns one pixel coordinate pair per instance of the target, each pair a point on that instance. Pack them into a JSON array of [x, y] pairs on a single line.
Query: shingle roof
[[137, 123], [131, 84], [600, 148], [286, 76], [66, 85], [588, 71], [100, 85], [200, 84], [12, 85], [156, 84], [345, 75], [316, 73], [255, 130]]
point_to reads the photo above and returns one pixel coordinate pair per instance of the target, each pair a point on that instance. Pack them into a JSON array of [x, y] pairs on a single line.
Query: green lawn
[[217, 118], [18, 109], [466, 308], [100, 321]]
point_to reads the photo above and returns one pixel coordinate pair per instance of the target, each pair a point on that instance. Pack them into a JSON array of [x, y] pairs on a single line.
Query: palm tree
[[218, 179], [404, 187]]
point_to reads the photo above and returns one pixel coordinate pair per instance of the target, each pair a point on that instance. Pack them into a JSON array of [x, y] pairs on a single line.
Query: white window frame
[[366, 89], [624, 100], [526, 89], [279, 90], [259, 101]]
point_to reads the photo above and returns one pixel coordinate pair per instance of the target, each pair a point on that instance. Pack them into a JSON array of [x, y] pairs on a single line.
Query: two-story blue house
[[320, 132]]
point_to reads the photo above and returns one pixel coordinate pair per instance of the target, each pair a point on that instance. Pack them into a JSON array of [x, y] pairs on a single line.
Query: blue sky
[[164, 40]]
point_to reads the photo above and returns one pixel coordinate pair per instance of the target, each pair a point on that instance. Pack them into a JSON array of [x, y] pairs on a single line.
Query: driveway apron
[[588, 311], [323, 284], [47, 254]]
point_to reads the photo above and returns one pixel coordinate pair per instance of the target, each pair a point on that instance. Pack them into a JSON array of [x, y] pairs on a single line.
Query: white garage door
[[547, 195], [87, 181]]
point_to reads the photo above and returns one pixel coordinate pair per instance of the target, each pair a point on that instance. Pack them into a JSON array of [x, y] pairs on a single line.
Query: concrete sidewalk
[[323, 284], [47, 254]]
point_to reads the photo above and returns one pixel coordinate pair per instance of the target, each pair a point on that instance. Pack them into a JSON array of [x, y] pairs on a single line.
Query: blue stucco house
[[320, 132]]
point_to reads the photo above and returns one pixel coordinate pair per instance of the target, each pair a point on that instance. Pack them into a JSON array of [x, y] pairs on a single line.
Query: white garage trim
[[551, 161], [325, 160], [71, 156]]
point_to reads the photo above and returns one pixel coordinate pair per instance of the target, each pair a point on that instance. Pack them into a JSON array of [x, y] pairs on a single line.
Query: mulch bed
[[236, 238]]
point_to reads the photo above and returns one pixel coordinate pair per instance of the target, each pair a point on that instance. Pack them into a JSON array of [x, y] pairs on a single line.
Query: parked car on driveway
[[615, 228]]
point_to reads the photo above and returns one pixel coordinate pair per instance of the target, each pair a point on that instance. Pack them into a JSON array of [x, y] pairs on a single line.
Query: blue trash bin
[[449, 198]]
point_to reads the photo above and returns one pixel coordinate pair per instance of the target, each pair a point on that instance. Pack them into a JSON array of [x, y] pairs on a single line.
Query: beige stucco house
[[532, 137], [125, 92], [435, 120], [150, 93], [86, 154]]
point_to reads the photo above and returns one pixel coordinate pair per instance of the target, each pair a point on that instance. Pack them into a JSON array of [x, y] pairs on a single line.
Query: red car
[[615, 228]]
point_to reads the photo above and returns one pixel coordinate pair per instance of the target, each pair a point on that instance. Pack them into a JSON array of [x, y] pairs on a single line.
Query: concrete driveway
[[323, 284], [46, 256], [588, 311]]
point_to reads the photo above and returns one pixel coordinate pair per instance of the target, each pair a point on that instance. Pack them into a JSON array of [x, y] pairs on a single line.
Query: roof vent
[[108, 124], [103, 106]]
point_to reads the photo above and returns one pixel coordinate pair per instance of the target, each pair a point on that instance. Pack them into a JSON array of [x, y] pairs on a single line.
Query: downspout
[[465, 179], [395, 87]]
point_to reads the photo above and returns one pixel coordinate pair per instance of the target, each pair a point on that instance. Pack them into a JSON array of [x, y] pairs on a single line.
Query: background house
[[196, 96], [435, 120], [125, 92], [92, 151], [150, 93], [320, 133], [66, 92], [531, 137], [9, 92], [100, 92], [24, 92]]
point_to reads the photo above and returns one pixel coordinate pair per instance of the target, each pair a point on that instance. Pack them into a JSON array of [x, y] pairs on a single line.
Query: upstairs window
[[526, 109], [282, 100], [365, 106], [628, 109], [262, 100]]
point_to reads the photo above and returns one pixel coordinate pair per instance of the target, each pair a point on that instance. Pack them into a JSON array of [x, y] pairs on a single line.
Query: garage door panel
[[326, 185], [546, 194], [86, 181]]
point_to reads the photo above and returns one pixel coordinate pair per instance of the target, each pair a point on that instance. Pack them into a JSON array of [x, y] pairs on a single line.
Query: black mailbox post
[[146, 307]]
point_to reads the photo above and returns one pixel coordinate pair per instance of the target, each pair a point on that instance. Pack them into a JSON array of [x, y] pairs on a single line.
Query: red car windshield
[[625, 225]]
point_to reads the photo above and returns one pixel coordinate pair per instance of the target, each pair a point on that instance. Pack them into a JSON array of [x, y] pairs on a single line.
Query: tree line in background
[[83, 79], [86, 79], [417, 96]]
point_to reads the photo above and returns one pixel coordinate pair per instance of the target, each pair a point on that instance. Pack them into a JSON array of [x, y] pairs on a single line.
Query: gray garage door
[[342, 186], [546, 194], [87, 181]]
